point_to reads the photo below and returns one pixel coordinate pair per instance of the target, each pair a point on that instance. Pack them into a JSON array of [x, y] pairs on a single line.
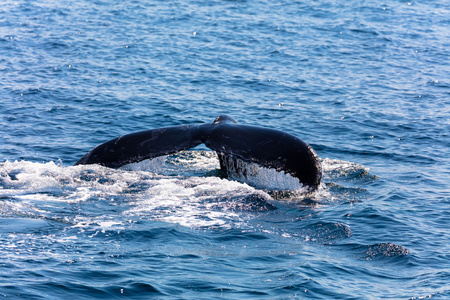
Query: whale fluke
[[265, 147]]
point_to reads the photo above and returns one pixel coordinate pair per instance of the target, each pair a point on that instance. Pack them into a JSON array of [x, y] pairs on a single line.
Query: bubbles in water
[[184, 163], [49, 181], [261, 177], [154, 165], [35, 190], [339, 168], [198, 202], [385, 250], [185, 189]]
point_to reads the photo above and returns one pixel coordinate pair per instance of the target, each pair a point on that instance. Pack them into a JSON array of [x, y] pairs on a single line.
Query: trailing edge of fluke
[[268, 148]]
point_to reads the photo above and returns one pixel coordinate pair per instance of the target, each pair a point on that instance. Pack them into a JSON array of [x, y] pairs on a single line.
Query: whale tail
[[232, 141], [142, 145]]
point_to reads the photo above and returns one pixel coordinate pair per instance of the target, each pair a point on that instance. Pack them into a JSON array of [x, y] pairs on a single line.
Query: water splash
[[35, 190], [261, 177], [185, 190], [199, 202]]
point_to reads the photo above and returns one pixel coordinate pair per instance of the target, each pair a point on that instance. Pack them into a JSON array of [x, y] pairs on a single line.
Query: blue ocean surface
[[365, 83]]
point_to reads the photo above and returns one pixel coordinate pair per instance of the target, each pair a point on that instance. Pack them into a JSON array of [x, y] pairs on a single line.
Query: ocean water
[[365, 83]]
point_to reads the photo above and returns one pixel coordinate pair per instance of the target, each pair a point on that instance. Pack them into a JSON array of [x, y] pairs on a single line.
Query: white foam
[[182, 163], [51, 182], [108, 224], [198, 162], [261, 177], [194, 201], [342, 167], [154, 165], [40, 189]]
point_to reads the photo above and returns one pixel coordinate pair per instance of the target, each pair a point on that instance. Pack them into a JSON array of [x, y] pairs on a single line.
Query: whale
[[233, 142]]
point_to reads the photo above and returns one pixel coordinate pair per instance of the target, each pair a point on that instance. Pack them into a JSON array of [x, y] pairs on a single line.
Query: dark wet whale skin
[[266, 147]]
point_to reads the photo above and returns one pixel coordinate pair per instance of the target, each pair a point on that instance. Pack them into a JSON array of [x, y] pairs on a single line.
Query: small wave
[[337, 176], [37, 190], [132, 287], [335, 168], [442, 293], [189, 194], [385, 250], [199, 202], [377, 251], [326, 233], [439, 83], [52, 182]]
